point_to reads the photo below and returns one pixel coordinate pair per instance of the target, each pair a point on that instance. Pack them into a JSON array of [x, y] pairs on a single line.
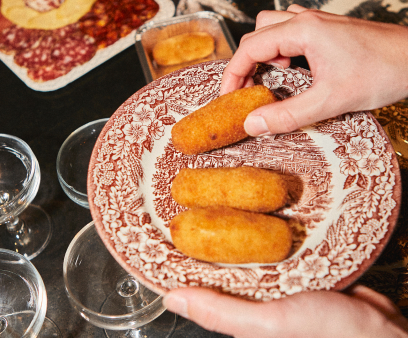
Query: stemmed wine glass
[[73, 160], [23, 299], [24, 227], [107, 296]]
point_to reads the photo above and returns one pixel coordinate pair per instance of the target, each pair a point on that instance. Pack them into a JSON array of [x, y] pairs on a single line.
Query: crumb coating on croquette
[[227, 235], [247, 188], [220, 122]]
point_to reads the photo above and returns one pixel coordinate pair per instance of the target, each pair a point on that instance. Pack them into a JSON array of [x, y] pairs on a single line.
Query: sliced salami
[[47, 73], [39, 55], [52, 53], [108, 21], [14, 39], [73, 51]]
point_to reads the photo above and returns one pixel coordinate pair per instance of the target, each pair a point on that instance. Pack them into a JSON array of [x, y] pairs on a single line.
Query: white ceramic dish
[[149, 34]]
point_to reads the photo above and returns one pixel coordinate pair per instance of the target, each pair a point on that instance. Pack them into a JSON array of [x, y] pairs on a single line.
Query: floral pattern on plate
[[343, 176]]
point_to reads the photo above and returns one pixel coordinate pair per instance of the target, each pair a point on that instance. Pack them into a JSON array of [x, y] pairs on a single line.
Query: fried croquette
[[227, 235], [220, 122], [247, 188], [183, 48]]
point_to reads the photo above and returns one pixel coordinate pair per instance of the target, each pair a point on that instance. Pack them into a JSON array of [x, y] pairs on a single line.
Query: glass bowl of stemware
[[24, 227], [104, 294], [73, 160], [23, 299]]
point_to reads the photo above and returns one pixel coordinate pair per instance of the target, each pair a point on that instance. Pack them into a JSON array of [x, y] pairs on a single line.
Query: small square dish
[[148, 35]]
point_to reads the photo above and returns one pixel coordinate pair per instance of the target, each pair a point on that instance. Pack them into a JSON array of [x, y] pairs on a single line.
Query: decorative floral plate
[[344, 183]]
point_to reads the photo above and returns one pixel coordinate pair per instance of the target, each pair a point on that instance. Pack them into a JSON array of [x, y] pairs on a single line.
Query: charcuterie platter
[[50, 43]]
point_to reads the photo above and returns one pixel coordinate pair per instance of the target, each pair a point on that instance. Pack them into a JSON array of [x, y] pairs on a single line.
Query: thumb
[[216, 312], [304, 314], [291, 114]]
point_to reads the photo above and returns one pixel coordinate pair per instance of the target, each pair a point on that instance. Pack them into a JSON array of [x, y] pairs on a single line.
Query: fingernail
[[176, 304], [277, 65], [256, 125]]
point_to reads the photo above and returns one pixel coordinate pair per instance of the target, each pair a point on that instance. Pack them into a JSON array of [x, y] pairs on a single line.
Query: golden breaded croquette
[[220, 122], [183, 48], [227, 235], [247, 188]]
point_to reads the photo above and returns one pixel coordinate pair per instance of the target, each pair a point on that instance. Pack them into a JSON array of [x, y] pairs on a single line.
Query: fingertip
[[356, 289], [280, 62], [295, 8], [228, 86], [223, 90], [378, 300], [184, 300], [267, 17], [255, 125], [175, 302], [274, 118]]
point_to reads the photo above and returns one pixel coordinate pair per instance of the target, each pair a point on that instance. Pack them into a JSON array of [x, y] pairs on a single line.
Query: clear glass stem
[[128, 288], [135, 333], [18, 230], [3, 324]]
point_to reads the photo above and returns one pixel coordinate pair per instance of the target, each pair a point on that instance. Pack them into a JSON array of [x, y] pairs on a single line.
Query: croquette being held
[[220, 122]]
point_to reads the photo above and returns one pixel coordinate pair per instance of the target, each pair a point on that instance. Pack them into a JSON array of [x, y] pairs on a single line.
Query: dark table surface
[[44, 120]]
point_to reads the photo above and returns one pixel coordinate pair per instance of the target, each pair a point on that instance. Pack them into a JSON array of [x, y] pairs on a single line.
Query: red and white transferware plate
[[345, 186]]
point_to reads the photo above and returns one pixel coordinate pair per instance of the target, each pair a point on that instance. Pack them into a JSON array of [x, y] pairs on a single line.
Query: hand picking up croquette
[[247, 188], [220, 122], [226, 235]]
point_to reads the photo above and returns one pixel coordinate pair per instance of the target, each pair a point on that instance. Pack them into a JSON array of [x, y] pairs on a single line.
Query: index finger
[[263, 45], [267, 18]]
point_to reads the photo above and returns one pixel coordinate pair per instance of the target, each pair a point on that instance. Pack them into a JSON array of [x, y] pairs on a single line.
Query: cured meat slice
[[67, 31], [14, 39], [73, 51], [47, 73], [50, 54], [39, 55], [48, 48], [108, 20]]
